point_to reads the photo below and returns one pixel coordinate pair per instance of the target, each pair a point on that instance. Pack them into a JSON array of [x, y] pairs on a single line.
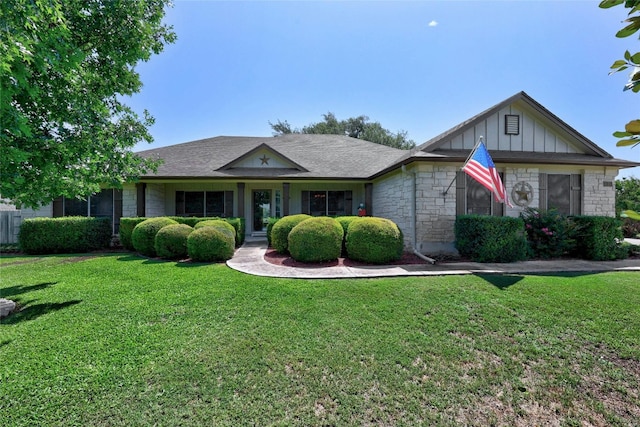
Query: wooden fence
[[9, 226]]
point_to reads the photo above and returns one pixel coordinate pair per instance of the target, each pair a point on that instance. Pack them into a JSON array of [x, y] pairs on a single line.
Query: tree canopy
[[631, 135], [65, 67], [356, 127]]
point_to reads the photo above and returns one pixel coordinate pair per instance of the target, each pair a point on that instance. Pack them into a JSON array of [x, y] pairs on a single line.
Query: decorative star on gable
[[265, 160]]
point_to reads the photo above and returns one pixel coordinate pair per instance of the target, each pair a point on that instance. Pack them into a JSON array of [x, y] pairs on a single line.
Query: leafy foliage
[[356, 127], [600, 238], [64, 235], [490, 238], [126, 230], [374, 240], [64, 69], [631, 134], [208, 244], [549, 234], [144, 234], [627, 195], [316, 239], [171, 241], [281, 229]]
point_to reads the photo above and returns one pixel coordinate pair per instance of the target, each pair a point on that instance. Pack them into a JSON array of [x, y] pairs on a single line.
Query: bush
[[221, 225], [270, 223], [316, 239], [281, 229], [549, 234], [126, 230], [191, 221], [64, 235], [144, 234], [171, 241], [490, 238], [345, 221], [239, 225], [374, 240], [631, 228], [210, 244], [600, 238]]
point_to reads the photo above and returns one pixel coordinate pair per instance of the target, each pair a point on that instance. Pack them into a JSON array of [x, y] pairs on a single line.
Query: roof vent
[[511, 124]]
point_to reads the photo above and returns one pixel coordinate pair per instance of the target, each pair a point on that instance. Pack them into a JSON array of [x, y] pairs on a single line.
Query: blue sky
[[418, 66]]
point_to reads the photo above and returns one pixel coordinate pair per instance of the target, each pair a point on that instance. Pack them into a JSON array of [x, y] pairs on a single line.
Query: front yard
[[116, 339]]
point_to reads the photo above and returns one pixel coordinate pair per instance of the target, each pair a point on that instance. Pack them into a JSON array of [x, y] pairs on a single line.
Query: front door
[[261, 209]]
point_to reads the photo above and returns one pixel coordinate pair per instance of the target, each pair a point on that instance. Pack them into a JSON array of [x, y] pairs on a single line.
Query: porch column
[[141, 203], [241, 200], [285, 198], [368, 198]]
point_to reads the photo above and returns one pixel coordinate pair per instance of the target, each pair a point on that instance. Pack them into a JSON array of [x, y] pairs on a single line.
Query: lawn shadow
[[13, 291], [501, 281], [5, 343], [31, 312]]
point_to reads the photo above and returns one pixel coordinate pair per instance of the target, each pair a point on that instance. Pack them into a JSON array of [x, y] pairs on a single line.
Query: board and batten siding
[[534, 135]]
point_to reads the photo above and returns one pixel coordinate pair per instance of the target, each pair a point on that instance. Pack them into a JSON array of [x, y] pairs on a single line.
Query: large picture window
[[562, 192], [327, 203], [105, 204], [204, 203], [473, 198]]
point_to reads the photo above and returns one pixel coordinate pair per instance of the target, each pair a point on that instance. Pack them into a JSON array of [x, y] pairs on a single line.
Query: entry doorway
[[261, 209]]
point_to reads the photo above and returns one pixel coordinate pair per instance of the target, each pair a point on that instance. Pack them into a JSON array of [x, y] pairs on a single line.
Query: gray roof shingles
[[323, 157]]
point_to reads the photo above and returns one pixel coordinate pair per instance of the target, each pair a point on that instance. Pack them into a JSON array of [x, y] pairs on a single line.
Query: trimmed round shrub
[[221, 225], [345, 221], [374, 240], [316, 239], [144, 234], [272, 221], [210, 244], [281, 229], [171, 241]]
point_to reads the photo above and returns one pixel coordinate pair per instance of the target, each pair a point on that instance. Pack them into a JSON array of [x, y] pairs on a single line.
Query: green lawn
[[121, 340]]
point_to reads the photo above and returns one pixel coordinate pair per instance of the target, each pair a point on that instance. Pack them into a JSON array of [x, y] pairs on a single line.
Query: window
[[327, 203], [473, 198], [562, 192], [105, 204], [204, 203]]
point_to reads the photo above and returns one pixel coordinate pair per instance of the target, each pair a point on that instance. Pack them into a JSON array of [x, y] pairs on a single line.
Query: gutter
[[414, 220]]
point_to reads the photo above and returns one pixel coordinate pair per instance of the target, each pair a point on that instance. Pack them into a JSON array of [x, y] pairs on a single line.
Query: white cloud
[[433, 23]]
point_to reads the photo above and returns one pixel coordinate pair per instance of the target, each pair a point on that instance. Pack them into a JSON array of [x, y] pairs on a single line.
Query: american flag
[[481, 168]]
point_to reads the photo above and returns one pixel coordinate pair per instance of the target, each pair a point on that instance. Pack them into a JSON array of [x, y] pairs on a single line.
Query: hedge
[[128, 224], [281, 229], [171, 241], [374, 240], [210, 244], [491, 238], [600, 238], [71, 234], [144, 234], [316, 239]]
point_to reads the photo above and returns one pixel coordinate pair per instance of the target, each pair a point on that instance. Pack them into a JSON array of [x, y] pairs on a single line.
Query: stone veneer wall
[[436, 213], [129, 201], [599, 193], [155, 200]]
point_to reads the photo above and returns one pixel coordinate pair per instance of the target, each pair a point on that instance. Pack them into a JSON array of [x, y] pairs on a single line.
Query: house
[[543, 161]]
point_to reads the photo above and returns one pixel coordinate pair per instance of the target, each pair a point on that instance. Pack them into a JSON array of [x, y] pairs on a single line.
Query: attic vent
[[511, 124]]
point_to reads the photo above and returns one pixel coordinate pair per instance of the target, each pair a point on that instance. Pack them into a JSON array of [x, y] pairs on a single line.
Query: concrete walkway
[[250, 259]]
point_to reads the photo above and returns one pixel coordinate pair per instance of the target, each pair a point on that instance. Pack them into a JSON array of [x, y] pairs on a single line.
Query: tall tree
[[356, 127], [65, 67]]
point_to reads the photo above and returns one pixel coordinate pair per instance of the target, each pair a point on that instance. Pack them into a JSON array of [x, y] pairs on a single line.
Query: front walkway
[[250, 259]]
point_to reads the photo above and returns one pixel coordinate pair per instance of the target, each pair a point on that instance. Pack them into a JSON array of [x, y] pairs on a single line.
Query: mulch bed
[[273, 257]]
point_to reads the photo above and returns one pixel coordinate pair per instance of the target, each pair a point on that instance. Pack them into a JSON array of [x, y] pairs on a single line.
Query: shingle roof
[[323, 157]]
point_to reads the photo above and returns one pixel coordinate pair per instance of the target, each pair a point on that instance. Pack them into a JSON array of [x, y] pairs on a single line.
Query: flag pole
[[473, 150]]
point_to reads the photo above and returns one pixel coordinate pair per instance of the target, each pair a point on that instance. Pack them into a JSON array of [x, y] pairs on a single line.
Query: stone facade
[[154, 203]]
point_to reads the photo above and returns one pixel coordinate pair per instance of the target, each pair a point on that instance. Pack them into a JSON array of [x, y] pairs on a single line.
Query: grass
[[116, 340]]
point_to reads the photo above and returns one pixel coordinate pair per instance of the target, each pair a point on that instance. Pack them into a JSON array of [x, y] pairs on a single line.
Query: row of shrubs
[[71, 234], [316, 239], [128, 224], [209, 240], [537, 234]]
